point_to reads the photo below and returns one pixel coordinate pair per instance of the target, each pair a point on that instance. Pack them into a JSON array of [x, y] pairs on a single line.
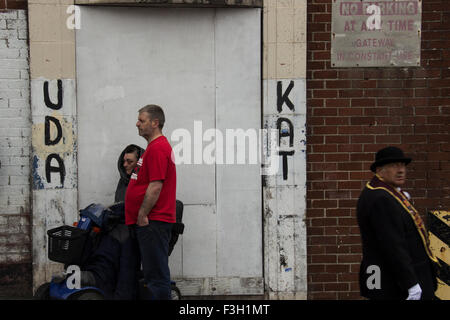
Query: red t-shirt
[[155, 164]]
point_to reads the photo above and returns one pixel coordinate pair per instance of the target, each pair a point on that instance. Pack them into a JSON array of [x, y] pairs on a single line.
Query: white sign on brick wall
[[375, 33]]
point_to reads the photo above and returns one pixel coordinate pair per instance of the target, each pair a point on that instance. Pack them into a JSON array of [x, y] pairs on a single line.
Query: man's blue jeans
[[153, 242]]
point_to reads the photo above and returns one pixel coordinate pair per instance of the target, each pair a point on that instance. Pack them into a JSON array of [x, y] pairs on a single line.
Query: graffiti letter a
[[61, 169]]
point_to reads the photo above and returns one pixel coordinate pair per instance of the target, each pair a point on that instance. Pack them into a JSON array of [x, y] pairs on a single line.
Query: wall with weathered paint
[[55, 189], [351, 113], [15, 209], [53, 116], [284, 109]]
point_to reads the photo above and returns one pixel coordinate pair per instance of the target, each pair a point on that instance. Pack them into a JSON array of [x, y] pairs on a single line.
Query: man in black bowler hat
[[397, 262]]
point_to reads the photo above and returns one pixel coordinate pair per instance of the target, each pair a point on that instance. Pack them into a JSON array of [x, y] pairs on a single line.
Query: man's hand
[[414, 293], [142, 220]]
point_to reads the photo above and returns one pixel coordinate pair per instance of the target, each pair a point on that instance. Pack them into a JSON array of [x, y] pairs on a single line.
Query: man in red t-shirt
[[150, 201]]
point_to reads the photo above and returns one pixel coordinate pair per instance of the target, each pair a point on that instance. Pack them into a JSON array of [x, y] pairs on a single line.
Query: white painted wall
[[54, 200], [15, 139], [199, 65], [285, 239]]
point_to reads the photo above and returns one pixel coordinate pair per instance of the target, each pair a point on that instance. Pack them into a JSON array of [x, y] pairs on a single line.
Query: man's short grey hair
[[155, 112]]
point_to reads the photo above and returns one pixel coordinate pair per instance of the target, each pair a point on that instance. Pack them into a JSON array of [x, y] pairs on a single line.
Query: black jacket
[[122, 185], [391, 241]]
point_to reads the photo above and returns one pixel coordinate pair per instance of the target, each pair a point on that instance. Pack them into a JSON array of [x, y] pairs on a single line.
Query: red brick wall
[[352, 113], [13, 4]]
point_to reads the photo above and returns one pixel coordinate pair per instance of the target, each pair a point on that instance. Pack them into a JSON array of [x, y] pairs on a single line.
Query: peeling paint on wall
[[36, 179], [285, 192], [53, 135], [54, 169]]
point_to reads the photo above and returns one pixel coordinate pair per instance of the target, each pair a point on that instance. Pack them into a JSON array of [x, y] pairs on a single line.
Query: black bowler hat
[[389, 155]]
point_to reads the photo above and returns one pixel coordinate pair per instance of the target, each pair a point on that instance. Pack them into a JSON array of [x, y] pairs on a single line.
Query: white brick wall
[[15, 138]]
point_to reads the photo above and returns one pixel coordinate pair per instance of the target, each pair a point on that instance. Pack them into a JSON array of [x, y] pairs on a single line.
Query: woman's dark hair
[[132, 148]]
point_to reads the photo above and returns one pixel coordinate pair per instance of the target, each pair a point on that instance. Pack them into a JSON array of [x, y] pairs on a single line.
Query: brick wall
[[13, 4], [15, 131], [353, 112]]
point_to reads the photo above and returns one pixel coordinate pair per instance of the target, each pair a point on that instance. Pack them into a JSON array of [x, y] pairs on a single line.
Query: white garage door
[[203, 67]]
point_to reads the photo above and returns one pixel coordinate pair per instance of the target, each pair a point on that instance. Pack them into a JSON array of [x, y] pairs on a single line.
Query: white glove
[[414, 293]]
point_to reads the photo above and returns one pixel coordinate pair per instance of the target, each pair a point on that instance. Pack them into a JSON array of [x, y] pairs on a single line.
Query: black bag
[[178, 226]]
